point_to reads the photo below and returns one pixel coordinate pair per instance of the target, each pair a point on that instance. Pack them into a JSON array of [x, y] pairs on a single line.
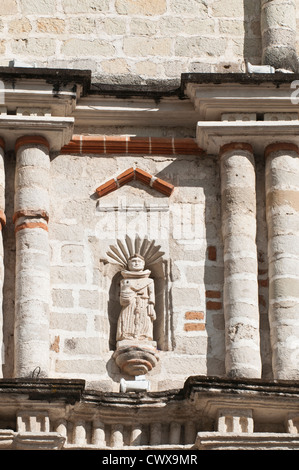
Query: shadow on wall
[[197, 182], [9, 269], [252, 50]]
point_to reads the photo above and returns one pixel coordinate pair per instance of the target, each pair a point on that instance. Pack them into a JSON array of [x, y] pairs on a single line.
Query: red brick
[[115, 144], [31, 225], [213, 294], [163, 187], [262, 300], [285, 146], [126, 177], [194, 315], [135, 145], [236, 146], [187, 147], [131, 174], [106, 188], [212, 253], [263, 282], [143, 176], [90, 144], [138, 145], [214, 305], [194, 327], [31, 213], [31, 139], [262, 271]]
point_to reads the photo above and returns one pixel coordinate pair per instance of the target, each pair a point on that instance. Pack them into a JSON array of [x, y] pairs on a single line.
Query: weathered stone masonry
[[282, 216], [49, 349], [32, 257], [149, 224], [240, 289]]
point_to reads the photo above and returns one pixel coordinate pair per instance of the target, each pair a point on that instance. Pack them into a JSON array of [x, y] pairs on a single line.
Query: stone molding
[[211, 136], [251, 441], [56, 130], [262, 93]]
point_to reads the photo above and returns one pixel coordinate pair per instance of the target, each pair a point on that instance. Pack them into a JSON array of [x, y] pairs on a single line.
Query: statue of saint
[[137, 299]]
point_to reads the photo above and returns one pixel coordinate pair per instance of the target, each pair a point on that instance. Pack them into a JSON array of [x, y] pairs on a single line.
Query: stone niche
[[135, 307]]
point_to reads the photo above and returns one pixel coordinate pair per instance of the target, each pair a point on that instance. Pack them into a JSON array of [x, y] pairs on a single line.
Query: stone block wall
[[149, 39]]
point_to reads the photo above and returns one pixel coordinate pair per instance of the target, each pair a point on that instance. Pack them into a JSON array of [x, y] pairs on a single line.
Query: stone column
[[282, 211], [278, 27], [240, 293], [32, 257], [2, 224]]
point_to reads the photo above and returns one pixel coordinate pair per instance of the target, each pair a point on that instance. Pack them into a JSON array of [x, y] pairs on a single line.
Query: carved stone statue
[[136, 351], [137, 298]]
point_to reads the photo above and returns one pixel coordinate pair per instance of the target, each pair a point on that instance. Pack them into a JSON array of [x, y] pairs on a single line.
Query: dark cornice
[[154, 89], [276, 79], [67, 390], [56, 77]]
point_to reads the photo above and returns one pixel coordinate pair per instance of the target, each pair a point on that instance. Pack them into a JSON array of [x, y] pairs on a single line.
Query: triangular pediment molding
[[135, 174]]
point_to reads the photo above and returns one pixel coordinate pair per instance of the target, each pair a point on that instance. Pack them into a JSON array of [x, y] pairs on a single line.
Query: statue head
[[136, 263]]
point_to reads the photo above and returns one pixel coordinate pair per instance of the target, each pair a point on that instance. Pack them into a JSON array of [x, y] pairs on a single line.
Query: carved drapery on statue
[[136, 351], [137, 298]]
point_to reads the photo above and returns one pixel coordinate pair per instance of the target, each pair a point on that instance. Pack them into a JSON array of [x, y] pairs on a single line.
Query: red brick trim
[[127, 145], [135, 174], [39, 213], [211, 305], [125, 177], [194, 327], [213, 294], [284, 146], [31, 139], [236, 146], [212, 253], [194, 315], [31, 225]]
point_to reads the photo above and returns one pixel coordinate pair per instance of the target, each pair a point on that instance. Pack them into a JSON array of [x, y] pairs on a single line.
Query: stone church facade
[[149, 193]]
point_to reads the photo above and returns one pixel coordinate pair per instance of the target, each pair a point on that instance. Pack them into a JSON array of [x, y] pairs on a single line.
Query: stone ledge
[[55, 76], [250, 441], [241, 78], [44, 389], [38, 441], [237, 385]]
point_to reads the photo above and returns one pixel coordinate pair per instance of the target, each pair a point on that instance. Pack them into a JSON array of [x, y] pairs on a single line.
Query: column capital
[[281, 146], [31, 140], [244, 146], [212, 136], [57, 131]]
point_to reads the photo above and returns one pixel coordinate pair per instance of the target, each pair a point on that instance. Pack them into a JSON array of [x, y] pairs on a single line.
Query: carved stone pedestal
[[136, 359]]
